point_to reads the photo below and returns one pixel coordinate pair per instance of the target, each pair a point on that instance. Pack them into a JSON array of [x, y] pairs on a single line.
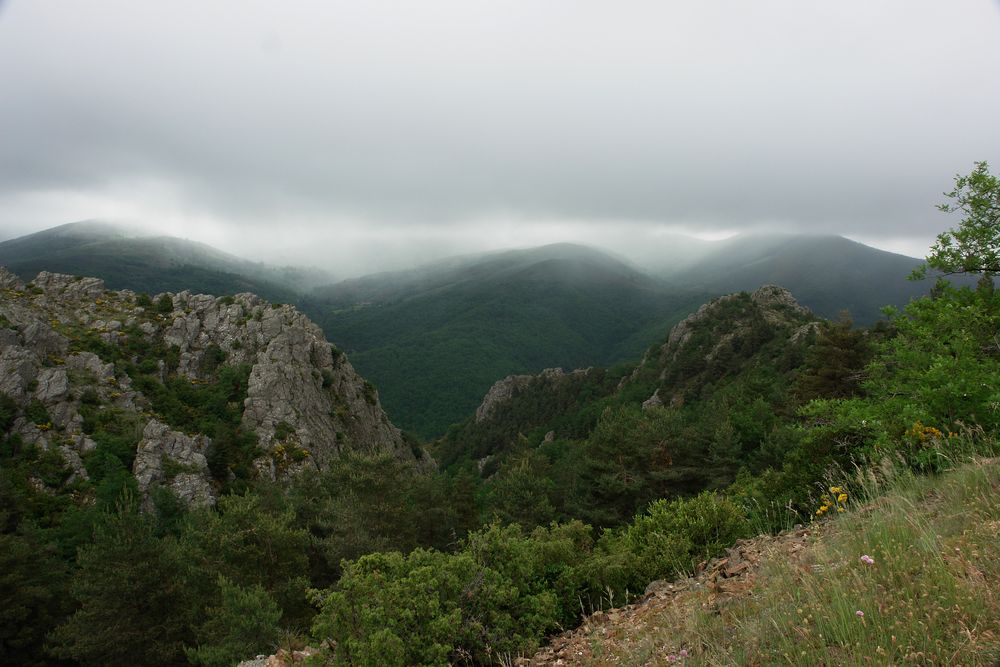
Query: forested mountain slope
[[828, 274], [433, 340], [709, 396], [126, 259]]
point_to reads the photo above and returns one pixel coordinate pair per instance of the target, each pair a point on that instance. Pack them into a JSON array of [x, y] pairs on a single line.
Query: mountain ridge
[[127, 258]]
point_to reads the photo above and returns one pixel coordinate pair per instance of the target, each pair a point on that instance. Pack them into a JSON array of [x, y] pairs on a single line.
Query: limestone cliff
[[72, 353]]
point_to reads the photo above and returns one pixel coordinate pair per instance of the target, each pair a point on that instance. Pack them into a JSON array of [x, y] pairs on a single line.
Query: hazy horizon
[[654, 259], [359, 137]]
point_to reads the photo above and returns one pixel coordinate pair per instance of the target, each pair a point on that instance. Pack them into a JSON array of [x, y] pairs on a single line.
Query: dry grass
[[931, 596]]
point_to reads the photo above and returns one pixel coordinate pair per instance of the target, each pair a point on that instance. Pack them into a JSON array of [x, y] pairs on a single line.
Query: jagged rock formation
[[719, 333], [653, 401], [67, 342], [514, 406], [175, 460], [504, 390], [300, 387]]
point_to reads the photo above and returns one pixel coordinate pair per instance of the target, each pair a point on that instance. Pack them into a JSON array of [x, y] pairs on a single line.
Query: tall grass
[[931, 596]]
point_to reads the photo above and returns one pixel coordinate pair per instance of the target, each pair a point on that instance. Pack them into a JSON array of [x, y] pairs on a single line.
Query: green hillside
[[434, 340], [828, 274], [142, 263]]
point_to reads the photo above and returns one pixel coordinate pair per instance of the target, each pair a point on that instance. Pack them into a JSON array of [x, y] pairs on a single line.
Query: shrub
[[37, 414], [165, 304], [8, 411], [497, 597], [671, 537], [283, 430]]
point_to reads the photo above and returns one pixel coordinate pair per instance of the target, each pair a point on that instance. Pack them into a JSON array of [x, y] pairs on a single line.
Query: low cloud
[[382, 132]]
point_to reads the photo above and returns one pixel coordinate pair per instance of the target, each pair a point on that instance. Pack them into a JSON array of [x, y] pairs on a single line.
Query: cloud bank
[[369, 132]]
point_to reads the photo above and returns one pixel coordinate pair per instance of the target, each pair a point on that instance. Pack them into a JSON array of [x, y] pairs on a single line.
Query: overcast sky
[[363, 134]]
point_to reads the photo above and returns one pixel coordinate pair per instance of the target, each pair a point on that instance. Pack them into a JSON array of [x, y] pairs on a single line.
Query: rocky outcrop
[[804, 332], [304, 402], [69, 287], [777, 305], [653, 401], [504, 390], [719, 334], [177, 461]]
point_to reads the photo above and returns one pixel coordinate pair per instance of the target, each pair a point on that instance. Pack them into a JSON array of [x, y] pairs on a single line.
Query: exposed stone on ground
[[803, 332], [605, 636], [775, 301], [483, 462], [69, 287], [653, 401], [282, 658], [9, 281], [503, 390]]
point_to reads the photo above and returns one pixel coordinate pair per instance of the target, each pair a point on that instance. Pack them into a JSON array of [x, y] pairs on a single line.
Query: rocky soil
[[622, 636]]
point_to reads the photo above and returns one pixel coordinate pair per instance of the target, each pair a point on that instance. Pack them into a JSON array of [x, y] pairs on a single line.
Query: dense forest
[[571, 495]]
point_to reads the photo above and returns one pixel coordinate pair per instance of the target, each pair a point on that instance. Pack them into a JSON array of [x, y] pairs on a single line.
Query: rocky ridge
[[771, 309], [504, 390], [63, 340], [717, 335]]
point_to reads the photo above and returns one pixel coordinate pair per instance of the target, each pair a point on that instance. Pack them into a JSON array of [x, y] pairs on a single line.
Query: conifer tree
[[133, 605]]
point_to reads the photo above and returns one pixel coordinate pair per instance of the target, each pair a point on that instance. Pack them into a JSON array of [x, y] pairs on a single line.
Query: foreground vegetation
[[907, 577]]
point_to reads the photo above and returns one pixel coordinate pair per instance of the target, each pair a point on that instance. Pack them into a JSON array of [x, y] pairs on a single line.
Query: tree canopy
[[975, 246]]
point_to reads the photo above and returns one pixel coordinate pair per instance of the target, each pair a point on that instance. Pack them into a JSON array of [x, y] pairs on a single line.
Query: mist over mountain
[[829, 274], [127, 258], [434, 339]]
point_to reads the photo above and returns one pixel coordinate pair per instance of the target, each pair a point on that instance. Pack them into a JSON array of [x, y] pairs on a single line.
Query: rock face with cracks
[[304, 403]]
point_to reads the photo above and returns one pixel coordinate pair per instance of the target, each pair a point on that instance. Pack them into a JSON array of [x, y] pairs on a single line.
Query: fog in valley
[[360, 137]]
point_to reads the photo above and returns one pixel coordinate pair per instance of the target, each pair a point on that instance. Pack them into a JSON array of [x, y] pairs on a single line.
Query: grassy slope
[[932, 595]]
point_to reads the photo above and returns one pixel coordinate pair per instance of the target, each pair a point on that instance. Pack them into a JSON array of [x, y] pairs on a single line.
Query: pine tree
[[245, 624], [133, 605]]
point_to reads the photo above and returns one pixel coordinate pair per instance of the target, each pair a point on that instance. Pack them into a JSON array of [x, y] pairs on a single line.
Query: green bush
[[495, 598], [37, 414], [674, 536], [165, 304], [670, 538], [283, 430], [8, 411]]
